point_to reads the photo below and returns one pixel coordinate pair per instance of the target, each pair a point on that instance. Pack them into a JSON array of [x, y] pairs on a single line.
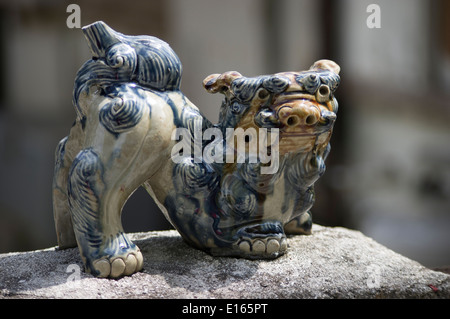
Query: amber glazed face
[[233, 188], [305, 123]]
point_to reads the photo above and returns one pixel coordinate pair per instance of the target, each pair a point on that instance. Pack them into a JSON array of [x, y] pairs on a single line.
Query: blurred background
[[388, 174]]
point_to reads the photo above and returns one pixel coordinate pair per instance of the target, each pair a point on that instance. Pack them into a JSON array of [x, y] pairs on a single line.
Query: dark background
[[388, 174]]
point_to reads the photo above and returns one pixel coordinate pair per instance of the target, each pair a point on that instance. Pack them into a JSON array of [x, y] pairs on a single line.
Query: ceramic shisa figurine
[[234, 188]]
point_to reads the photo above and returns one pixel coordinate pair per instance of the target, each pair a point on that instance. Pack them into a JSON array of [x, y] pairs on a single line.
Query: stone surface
[[331, 263]]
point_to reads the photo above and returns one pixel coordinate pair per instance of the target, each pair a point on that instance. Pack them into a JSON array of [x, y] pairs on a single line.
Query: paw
[[269, 247], [265, 241], [118, 266]]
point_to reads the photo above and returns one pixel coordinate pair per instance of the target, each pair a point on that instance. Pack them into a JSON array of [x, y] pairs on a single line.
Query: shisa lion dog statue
[[234, 188]]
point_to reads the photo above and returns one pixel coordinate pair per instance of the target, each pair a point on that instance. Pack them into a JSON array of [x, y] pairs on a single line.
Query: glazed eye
[[263, 93], [323, 93], [324, 90]]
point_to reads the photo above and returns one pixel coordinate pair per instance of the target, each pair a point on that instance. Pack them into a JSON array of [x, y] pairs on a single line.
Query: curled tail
[[117, 58]]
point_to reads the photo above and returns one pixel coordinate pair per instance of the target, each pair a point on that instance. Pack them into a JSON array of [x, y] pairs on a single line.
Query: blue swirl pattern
[[222, 208], [123, 111]]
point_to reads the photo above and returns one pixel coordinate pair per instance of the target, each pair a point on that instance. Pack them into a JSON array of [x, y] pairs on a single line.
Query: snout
[[304, 117], [299, 115], [303, 125]]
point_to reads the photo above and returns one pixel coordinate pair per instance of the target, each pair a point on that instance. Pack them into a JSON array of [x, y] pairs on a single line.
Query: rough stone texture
[[331, 263]]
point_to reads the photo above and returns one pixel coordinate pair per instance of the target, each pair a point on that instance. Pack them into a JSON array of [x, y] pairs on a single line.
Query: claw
[[269, 247], [119, 266]]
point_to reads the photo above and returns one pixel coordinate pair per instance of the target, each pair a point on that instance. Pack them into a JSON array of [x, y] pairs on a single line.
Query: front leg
[[302, 174]]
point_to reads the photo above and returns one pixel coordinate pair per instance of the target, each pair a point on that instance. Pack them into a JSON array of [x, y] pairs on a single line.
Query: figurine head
[[300, 104]]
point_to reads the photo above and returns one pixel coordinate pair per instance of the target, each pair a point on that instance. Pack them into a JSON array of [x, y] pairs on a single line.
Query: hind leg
[[102, 177], [64, 155], [97, 193]]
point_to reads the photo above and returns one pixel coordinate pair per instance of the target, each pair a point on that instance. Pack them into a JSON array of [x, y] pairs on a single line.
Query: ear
[[220, 82], [326, 65]]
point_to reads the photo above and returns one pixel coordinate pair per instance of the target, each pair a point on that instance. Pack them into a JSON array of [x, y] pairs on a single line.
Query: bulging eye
[[263, 94], [323, 93]]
